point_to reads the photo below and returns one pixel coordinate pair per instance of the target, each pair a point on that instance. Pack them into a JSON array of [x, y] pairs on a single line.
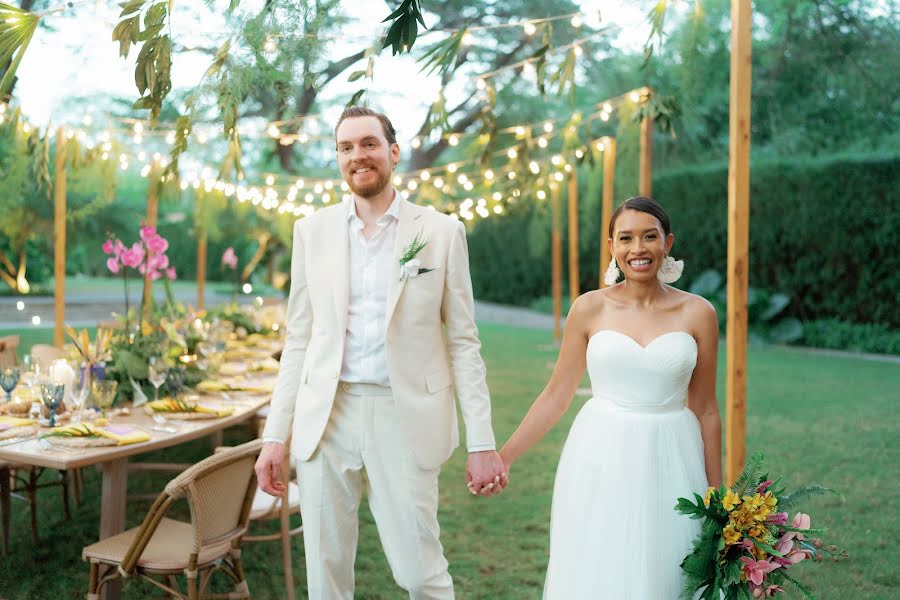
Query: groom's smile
[[365, 156]]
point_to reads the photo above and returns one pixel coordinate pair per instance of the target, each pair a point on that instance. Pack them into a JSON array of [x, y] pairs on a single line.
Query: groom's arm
[[463, 346], [485, 472], [299, 325]]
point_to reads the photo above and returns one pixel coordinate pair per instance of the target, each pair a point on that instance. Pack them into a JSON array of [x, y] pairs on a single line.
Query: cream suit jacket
[[431, 340]]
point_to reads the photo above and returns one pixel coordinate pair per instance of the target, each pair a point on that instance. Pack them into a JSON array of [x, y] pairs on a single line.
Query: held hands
[[269, 469], [486, 475]]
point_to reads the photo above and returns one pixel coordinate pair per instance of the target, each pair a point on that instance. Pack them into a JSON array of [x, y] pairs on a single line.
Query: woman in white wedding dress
[[650, 434]]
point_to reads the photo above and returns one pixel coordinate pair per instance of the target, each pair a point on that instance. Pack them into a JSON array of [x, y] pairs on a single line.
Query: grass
[[823, 419]]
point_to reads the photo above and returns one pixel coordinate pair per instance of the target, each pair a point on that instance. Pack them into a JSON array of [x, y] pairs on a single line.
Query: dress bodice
[[651, 378]]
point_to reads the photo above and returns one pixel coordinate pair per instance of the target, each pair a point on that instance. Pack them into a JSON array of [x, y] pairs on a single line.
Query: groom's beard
[[368, 190]]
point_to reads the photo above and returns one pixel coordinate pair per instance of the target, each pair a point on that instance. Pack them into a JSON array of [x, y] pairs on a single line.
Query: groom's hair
[[362, 111]]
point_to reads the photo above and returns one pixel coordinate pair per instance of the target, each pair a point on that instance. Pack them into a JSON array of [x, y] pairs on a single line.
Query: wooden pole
[[556, 260], [606, 210], [201, 252], [645, 181], [152, 210], [738, 237], [574, 290], [59, 240]]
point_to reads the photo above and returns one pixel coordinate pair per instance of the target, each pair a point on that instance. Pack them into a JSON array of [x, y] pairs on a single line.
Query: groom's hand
[[486, 473], [269, 468]]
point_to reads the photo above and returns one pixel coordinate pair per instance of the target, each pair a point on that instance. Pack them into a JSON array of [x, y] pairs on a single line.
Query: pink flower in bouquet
[[118, 248], [772, 590], [757, 570], [764, 486], [170, 273], [112, 263], [134, 256], [777, 519], [800, 521], [107, 247], [229, 258], [786, 547], [747, 544]]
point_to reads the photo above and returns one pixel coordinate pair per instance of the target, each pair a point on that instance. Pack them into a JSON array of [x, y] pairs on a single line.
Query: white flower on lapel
[[410, 266]]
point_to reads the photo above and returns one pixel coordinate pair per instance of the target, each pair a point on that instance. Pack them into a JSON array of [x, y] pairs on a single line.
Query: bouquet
[[747, 544]]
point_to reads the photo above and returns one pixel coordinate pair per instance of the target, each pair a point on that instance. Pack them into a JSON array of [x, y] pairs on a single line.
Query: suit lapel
[[341, 253], [408, 225]]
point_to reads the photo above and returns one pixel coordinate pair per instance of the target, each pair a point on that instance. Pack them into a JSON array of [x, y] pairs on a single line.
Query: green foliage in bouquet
[[233, 314], [746, 544]]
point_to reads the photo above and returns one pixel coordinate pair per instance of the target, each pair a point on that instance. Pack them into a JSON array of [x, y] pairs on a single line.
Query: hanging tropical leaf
[[662, 110], [39, 151], [152, 71], [438, 118], [403, 32], [183, 128], [17, 27], [442, 56], [540, 58], [657, 19], [565, 76], [355, 99]]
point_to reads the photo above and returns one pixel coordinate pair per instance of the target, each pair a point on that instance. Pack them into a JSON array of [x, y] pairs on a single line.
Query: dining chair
[[219, 492]]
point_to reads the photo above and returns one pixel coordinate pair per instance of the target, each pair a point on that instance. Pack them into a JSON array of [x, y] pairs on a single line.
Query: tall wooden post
[[574, 288], [152, 209], [645, 178], [738, 237], [201, 249], [59, 240], [556, 260], [606, 210]]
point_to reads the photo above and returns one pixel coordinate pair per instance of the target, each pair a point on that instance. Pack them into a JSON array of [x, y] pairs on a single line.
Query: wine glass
[[9, 379], [52, 395], [157, 375], [104, 392], [80, 393]]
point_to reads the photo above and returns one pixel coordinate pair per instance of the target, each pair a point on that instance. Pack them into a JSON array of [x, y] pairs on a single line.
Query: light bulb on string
[[512, 153], [415, 143], [329, 184], [534, 167], [542, 142], [498, 209], [398, 180], [579, 153], [489, 175], [425, 176], [604, 116], [520, 131], [451, 168], [577, 21], [634, 96], [454, 140], [542, 195], [529, 28], [578, 50], [511, 175], [548, 127], [270, 179], [438, 182]]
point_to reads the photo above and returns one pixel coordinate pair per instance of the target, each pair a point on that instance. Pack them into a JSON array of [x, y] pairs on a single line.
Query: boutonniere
[[410, 266]]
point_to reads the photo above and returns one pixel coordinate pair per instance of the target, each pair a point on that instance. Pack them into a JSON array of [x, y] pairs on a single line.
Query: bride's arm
[[702, 390], [557, 395]]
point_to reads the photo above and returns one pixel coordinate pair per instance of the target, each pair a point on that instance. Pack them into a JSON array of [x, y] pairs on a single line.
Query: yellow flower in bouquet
[[730, 501]]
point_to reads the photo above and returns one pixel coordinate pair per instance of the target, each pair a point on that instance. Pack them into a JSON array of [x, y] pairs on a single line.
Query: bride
[[650, 434]]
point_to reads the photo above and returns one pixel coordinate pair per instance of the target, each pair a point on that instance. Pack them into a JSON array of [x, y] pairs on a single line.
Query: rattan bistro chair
[[219, 491]]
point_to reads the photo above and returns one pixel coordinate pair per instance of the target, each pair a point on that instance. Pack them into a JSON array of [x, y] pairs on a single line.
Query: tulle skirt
[[614, 533]]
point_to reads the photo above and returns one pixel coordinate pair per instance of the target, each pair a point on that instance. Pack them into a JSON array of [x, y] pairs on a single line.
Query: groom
[[380, 335]]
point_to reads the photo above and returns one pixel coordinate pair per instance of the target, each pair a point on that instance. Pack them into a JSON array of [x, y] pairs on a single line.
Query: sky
[[79, 58]]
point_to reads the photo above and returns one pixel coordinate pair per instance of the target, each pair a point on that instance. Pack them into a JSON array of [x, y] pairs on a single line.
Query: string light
[[529, 28]]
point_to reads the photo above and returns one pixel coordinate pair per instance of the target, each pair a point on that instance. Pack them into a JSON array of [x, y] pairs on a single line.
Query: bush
[[841, 335], [823, 232]]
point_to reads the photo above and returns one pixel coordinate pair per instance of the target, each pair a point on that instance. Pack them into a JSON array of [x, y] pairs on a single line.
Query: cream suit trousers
[[364, 432]]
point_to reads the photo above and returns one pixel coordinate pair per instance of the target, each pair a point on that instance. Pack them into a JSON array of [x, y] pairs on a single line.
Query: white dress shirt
[[371, 264]]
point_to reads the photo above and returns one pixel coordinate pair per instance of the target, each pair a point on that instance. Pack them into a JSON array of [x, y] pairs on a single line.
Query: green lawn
[[829, 420]]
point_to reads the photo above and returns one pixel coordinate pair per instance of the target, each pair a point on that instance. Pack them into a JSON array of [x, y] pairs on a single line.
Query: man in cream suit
[[380, 335]]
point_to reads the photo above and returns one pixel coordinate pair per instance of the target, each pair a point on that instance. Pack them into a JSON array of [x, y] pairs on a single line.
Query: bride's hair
[[644, 205]]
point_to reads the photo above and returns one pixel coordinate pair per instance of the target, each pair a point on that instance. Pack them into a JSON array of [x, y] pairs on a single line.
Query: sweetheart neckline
[[637, 343]]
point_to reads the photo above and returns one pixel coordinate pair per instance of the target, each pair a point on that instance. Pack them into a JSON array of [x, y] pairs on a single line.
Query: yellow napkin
[[236, 384], [6, 422], [122, 434], [170, 405]]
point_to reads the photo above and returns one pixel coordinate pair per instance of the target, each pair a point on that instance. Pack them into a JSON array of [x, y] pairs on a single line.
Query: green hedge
[[832, 333], [825, 232]]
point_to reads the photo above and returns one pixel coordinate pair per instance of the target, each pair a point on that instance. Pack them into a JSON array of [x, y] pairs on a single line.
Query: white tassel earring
[[612, 273], [671, 270]]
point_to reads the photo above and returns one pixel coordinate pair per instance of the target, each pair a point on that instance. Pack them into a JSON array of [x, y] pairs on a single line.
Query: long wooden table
[[113, 460]]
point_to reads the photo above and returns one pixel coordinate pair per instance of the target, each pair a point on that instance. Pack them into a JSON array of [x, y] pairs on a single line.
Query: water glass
[[103, 393], [9, 379], [52, 395], [157, 375]]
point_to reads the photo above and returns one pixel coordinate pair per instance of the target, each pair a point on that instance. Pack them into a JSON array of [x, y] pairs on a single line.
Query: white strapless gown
[[633, 450]]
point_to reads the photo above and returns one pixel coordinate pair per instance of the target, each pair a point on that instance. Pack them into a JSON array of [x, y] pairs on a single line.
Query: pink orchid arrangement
[[746, 546], [229, 258], [147, 256]]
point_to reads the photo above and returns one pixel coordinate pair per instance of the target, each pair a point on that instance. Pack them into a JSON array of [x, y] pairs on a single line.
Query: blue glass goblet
[[52, 395], [9, 379]]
